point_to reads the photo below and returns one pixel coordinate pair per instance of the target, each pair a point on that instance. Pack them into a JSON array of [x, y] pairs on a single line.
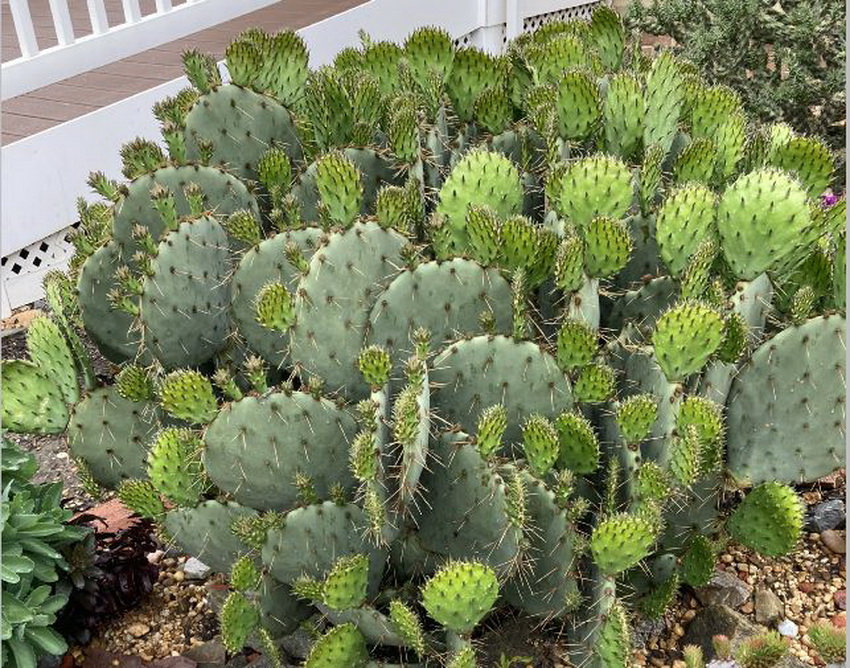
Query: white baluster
[[62, 21], [132, 12], [163, 6], [97, 13], [23, 27]]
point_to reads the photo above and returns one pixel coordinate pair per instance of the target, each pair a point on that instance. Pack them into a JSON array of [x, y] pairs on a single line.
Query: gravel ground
[[174, 617]]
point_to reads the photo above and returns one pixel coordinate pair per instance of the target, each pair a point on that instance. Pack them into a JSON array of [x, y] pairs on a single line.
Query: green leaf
[[40, 547], [18, 564], [23, 653], [38, 596], [54, 604], [47, 639], [15, 611], [8, 575]]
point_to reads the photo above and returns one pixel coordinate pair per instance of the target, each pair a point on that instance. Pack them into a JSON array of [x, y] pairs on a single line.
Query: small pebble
[[834, 541], [138, 630], [788, 628]]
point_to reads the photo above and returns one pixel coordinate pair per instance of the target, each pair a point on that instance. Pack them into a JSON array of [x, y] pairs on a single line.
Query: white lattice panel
[[23, 270], [583, 12]]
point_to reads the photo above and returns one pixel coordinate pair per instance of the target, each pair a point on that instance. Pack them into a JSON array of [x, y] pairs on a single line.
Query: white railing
[[45, 173], [105, 44]]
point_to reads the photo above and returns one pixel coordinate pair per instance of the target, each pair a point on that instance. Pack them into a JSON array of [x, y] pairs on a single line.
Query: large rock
[[724, 589], [721, 619], [769, 609], [827, 515]]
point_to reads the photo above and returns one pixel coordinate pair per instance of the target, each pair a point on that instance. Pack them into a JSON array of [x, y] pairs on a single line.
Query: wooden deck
[[47, 107]]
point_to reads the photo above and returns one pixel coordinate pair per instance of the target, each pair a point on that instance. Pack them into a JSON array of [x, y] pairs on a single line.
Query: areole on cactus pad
[[429, 332]]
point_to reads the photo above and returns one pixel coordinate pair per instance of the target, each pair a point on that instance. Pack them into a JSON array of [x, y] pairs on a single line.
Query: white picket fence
[[45, 173], [105, 44]]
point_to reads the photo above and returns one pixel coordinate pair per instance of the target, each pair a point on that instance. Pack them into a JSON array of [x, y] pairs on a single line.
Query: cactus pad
[[205, 532], [685, 337], [111, 434], [801, 368], [286, 435], [769, 520], [333, 299], [763, 219], [483, 371], [446, 298], [460, 595], [620, 542]]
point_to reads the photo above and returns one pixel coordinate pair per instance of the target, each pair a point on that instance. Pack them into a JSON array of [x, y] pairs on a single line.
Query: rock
[[98, 658], [769, 609], [172, 662], [721, 619], [747, 608], [297, 644], [826, 515], [724, 589], [195, 569], [834, 541], [645, 629], [839, 621], [840, 598], [208, 655], [138, 630], [788, 628], [155, 557]]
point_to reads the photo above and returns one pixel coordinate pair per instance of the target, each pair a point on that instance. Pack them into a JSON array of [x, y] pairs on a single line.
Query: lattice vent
[[49, 251], [583, 12]]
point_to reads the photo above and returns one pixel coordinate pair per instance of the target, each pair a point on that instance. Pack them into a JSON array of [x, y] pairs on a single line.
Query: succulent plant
[[35, 533], [498, 327]]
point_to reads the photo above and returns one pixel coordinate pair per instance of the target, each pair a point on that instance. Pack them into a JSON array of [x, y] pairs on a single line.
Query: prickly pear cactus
[[427, 332]]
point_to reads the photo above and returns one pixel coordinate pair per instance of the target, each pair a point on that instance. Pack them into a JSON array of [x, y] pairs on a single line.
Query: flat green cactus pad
[[480, 372], [764, 220], [472, 520], [769, 520], [334, 299], [111, 329], [550, 587], [460, 594], [620, 542], [222, 191], [258, 266], [446, 298], [685, 337], [32, 400], [241, 125], [262, 443], [185, 304], [341, 647], [785, 410], [324, 532], [111, 434], [205, 532]]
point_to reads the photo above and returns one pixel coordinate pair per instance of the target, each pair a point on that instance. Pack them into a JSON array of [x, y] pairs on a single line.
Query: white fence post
[[97, 14], [62, 21], [132, 12], [22, 19], [163, 6]]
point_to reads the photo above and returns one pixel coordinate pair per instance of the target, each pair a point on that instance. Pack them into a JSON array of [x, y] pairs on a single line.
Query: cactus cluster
[[429, 331]]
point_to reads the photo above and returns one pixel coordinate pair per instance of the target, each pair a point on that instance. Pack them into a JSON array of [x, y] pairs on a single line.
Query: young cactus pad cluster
[[429, 332]]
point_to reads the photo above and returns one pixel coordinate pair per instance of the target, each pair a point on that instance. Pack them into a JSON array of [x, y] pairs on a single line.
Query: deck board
[[51, 105]]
